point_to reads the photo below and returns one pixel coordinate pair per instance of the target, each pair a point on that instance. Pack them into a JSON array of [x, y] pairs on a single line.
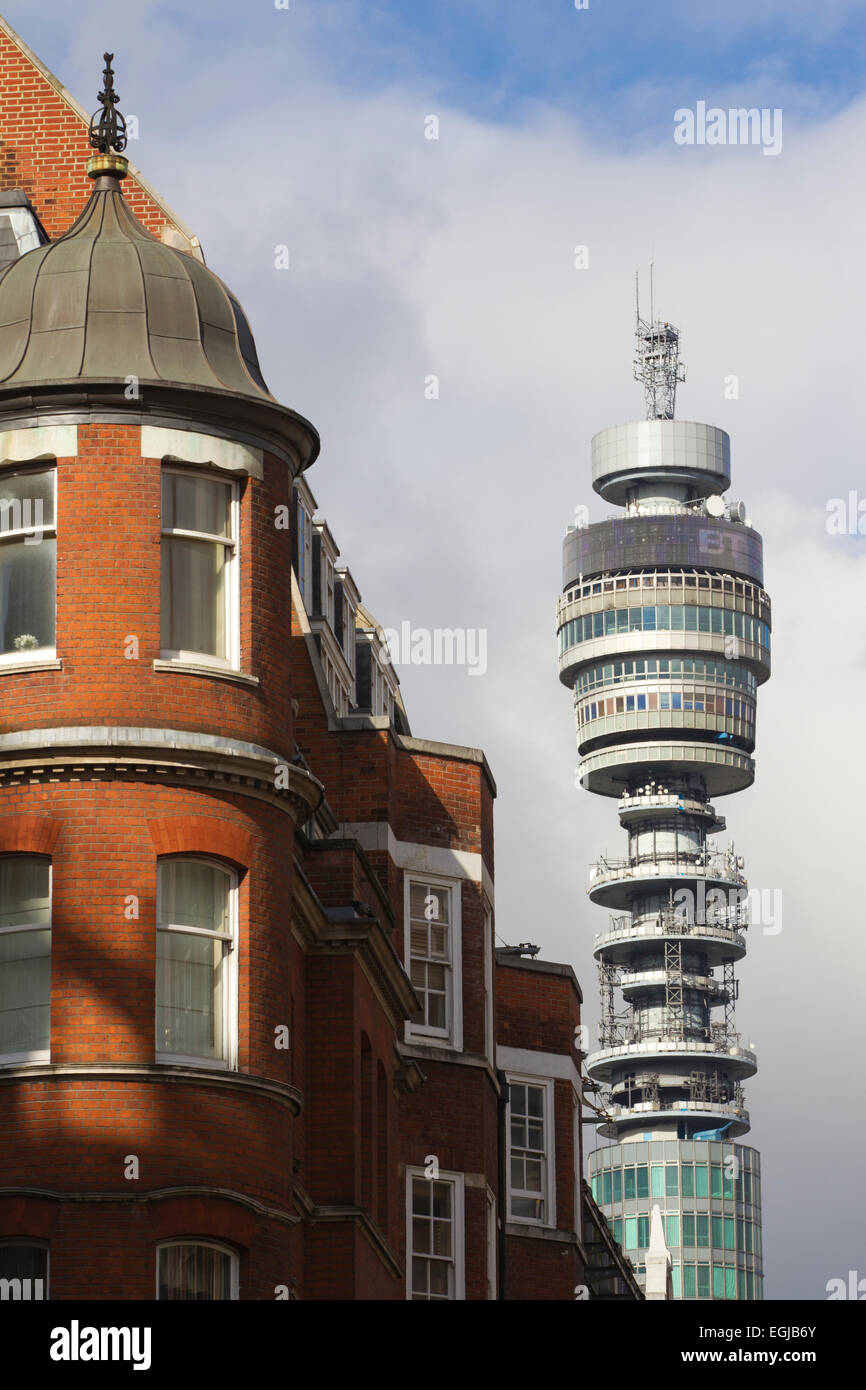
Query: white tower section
[[664, 638]]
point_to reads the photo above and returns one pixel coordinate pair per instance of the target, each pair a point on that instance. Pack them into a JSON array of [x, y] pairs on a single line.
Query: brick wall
[[44, 148]]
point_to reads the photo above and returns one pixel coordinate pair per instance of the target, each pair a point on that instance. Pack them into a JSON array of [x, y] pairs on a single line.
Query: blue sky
[[617, 66]]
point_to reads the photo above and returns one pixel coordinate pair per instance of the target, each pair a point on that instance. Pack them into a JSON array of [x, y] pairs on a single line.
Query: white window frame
[[492, 1268], [32, 654], [489, 1034], [234, 1268], [450, 1037], [231, 548], [28, 1241], [544, 1083], [230, 966], [458, 1231], [18, 1059]]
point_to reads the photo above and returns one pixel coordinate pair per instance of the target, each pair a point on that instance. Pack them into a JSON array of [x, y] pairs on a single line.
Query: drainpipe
[[502, 1187]]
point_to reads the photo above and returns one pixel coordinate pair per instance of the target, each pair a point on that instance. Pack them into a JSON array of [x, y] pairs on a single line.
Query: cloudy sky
[[305, 127]]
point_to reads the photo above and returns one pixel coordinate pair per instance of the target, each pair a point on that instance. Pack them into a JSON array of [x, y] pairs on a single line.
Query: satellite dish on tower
[[715, 505]]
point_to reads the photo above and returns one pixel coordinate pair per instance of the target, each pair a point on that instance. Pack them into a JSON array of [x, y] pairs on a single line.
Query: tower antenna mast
[[657, 362]]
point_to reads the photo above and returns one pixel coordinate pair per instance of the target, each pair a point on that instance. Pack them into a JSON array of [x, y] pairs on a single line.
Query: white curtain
[[193, 596], [194, 1272], [190, 968]]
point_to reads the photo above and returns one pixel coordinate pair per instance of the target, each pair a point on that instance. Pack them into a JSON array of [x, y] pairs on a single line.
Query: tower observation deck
[[664, 637]]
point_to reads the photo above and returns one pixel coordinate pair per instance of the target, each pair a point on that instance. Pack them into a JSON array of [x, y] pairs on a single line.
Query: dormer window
[[304, 508], [346, 599], [325, 554], [20, 228], [304, 533], [329, 590]]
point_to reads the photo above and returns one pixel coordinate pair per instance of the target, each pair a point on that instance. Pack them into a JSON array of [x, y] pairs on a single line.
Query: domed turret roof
[[109, 301]]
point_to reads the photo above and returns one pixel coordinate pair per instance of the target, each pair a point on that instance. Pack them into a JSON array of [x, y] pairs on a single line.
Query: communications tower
[[664, 638]]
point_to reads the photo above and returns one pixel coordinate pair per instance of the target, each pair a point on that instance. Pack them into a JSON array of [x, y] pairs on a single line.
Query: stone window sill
[[17, 668], [222, 673]]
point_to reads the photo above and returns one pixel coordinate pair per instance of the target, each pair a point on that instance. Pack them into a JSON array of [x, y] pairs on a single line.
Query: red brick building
[[255, 1038]]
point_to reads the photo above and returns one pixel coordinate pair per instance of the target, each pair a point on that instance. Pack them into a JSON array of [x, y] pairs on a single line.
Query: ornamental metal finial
[[107, 127]]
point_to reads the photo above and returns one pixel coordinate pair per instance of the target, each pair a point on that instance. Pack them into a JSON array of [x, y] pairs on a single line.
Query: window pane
[[428, 904], [193, 596], [436, 977], [189, 1011], [194, 1272], [196, 504], [533, 1175], [442, 1238], [436, 1016], [28, 1265], [530, 1208], [441, 1200], [25, 991], [25, 956], [27, 501], [440, 1279], [193, 893], [27, 595], [24, 891]]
